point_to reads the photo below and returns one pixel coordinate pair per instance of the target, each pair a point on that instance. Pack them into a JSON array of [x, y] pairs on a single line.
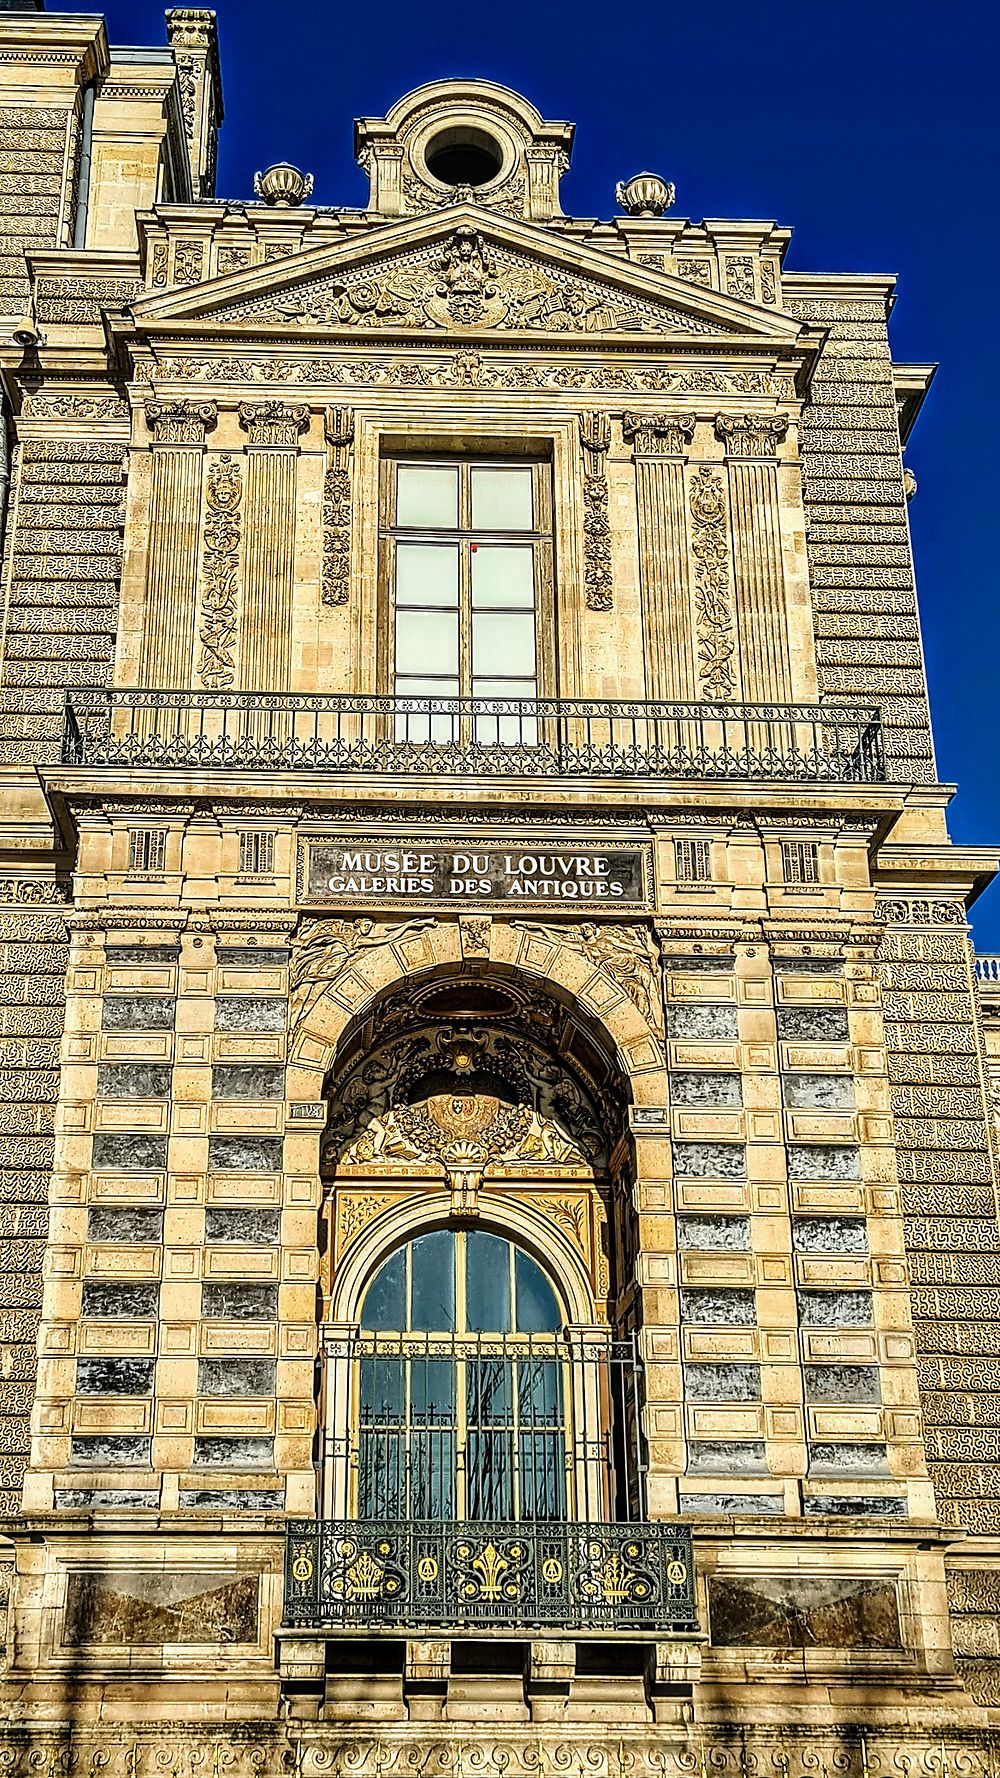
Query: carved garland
[[595, 437], [220, 570], [335, 573], [710, 549]]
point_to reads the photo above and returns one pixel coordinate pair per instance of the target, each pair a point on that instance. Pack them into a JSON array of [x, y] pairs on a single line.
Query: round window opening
[[462, 155]]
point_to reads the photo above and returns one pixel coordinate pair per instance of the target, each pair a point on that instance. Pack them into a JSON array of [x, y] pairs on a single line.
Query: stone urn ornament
[[283, 186], [645, 194]]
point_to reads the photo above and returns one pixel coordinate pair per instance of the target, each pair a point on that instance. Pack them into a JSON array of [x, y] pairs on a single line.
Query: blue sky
[[870, 128]]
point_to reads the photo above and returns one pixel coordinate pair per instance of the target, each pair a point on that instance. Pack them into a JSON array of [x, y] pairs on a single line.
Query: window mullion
[[465, 622]]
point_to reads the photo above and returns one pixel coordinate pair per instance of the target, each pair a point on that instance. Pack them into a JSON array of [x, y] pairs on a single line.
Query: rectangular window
[[693, 860], [147, 848], [256, 854], [468, 549], [800, 861]]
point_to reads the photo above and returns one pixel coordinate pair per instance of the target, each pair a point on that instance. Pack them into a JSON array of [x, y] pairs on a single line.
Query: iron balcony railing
[[480, 1480], [449, 1575], [471, 737], [519, 1426]]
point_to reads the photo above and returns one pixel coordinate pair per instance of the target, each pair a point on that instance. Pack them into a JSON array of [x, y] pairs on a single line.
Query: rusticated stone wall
[[63, 565], [861, 571], [33, 955], [34, 141], [940, 1108]]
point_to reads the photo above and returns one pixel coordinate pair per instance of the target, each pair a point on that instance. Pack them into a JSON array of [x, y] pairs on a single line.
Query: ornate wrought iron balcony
[[448, 1575], [472, 737]]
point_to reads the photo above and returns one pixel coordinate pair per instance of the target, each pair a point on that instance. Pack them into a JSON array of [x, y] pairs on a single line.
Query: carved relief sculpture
[[336, 568], [716, 630], [595, 437], [220, 573]]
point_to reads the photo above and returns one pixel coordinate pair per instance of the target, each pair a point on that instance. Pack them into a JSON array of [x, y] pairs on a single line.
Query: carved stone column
[[659, 447], [751, 442], [178, 429], [273, 429]]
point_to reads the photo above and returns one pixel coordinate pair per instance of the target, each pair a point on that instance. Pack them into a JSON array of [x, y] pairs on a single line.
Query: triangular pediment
[[462, 271]]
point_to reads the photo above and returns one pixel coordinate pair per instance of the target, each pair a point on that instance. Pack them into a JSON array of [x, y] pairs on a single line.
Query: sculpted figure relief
[[627, 951], [469, 284], [322, 947], [464, 1096]]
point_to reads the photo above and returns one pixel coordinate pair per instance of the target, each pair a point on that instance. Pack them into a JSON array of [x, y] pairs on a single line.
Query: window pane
[[432, 1288], [542, 1475], [427, 496], [490, 1392], [503, 643], [432, 1475], [421, 724], [427, 643], [487, 1283], [385, 1302], [427, 574], [501, 499], [502, 576], [383, 1391], [537, 1311], [432, 1391], [491, 1475], [506, 688]]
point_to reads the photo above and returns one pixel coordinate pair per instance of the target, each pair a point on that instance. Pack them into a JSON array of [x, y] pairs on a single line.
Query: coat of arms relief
[[466, 282]]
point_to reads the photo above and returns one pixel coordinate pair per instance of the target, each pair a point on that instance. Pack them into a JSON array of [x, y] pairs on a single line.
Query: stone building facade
[[499, 1253]]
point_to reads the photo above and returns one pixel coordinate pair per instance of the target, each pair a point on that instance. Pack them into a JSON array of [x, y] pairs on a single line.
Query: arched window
[[461, 1385]]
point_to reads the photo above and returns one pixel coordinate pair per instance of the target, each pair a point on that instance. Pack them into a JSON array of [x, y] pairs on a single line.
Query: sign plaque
[[474, 873]]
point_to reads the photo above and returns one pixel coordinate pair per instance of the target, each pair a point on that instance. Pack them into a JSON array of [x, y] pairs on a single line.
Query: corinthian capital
[[659, 435], [751, 435], [180, 422], [273, 422]]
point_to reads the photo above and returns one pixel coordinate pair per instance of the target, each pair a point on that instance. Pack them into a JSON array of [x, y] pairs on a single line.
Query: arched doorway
[[479, 1364]]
